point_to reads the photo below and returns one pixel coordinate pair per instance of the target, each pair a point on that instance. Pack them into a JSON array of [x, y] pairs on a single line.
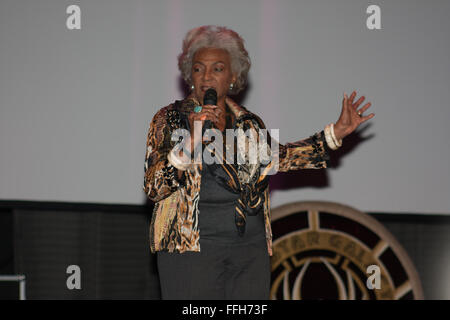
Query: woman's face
[[211, 68]]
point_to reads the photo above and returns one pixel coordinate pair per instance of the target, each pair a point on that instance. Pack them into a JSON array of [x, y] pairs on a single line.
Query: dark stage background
[[110, 245]]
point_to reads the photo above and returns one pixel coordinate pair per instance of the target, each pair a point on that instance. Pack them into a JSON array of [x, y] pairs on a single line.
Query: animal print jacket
[[174, 226]]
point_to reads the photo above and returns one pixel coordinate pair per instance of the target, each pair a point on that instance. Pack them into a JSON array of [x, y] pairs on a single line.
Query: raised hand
[[351, 117]]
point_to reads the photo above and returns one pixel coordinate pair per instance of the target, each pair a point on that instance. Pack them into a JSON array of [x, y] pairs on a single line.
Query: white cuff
[[337, 142], [180, 163], [329, 137]]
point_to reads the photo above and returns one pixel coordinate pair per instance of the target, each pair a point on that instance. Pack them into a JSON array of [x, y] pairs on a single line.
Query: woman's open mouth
[[204, 88]]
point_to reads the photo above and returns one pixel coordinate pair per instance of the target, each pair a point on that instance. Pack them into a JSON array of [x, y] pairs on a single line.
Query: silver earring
[[231, 86], [192, 87]]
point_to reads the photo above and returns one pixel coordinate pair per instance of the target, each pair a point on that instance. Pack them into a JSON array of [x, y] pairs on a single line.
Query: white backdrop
[[76, 104]]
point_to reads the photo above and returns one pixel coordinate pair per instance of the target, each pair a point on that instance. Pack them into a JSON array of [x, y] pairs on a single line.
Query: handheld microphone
[[210, 97]]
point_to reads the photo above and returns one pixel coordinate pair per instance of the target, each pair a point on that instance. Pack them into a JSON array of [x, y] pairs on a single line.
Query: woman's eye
[[196, 69], [219, 69]]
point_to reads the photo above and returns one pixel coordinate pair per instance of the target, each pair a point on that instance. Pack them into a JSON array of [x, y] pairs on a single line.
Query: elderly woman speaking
[[211, 224]]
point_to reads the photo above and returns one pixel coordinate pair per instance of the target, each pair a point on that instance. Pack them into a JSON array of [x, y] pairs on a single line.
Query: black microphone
[[210, 97]]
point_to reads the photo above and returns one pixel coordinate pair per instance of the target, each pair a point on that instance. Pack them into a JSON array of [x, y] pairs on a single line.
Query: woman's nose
[[207, 75]]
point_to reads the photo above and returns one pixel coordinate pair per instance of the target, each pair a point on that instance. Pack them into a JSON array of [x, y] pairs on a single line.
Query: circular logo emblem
[[325, 250]]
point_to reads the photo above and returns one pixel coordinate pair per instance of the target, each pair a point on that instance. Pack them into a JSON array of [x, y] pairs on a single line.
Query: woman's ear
[[234, 78]]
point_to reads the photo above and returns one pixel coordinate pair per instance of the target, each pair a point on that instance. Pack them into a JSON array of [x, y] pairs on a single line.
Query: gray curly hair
[[216, 37]]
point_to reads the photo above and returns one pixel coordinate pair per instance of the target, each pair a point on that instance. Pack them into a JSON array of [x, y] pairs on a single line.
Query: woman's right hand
[[209, 112]]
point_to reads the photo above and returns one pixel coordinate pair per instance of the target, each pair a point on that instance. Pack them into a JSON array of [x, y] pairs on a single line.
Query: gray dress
[[228, 266], [216, 215]]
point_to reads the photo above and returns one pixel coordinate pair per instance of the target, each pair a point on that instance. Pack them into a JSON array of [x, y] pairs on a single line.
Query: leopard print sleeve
[[161, 177], [310, 153]]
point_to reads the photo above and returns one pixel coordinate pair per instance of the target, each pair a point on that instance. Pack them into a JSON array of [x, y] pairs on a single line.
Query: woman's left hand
[[350, 117]]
